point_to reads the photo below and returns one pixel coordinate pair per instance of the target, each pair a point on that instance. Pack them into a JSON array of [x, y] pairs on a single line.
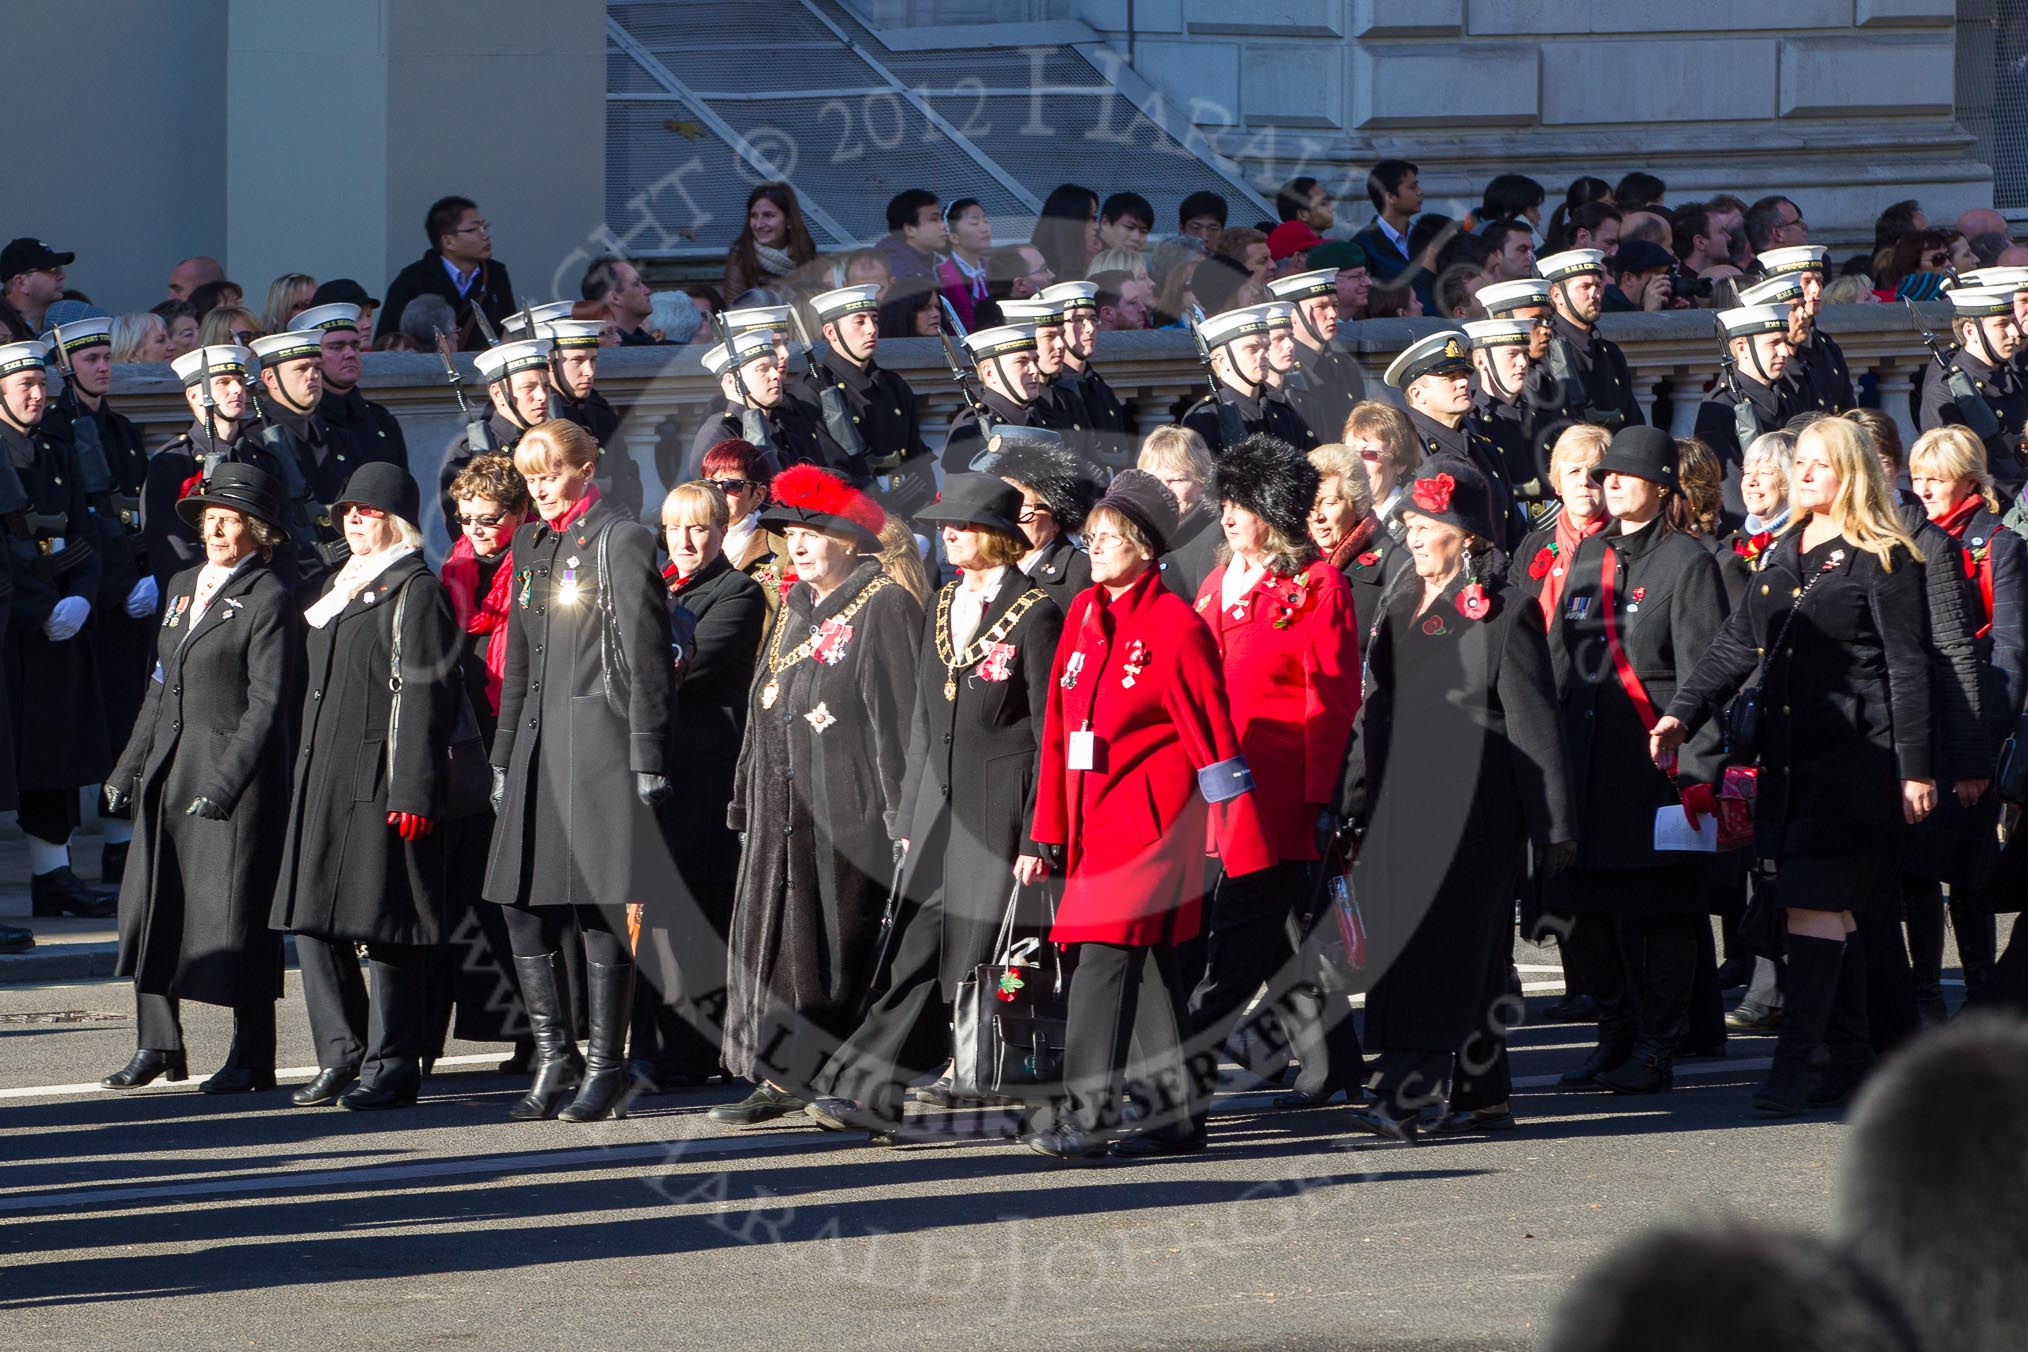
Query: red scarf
[[1352, 545], [1978, 562], [1570, 533], [576, 509], [488, 616], [1957, 518]]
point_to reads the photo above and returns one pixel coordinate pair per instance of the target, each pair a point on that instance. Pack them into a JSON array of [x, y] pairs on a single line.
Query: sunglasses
[[736, 485], [483, 522]]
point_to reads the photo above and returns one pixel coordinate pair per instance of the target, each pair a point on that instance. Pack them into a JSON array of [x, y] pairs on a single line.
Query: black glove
[[200, 806], [652, 789], [117, 798], [499, 793], [1558, 856]]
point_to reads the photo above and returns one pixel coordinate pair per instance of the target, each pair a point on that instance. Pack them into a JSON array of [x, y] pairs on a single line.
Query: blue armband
[[1225, 779]]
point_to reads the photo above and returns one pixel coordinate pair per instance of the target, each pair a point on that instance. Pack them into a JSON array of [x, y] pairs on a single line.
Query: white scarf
[[358, 572], [211, 580], [739, 533]]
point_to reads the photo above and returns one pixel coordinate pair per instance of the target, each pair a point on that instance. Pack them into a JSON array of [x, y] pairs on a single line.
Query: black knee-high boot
[[610, 993], [1848, 1042], [558, 1067], [1814, 966]]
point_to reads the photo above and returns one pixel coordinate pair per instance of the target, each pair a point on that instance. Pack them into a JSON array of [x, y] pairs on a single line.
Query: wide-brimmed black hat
[[243, 488], [817, 499], [1270, 478], [1640, 453], [981, 499], [1147, 502], [388, 487], [1056, 475], [1451, 490]]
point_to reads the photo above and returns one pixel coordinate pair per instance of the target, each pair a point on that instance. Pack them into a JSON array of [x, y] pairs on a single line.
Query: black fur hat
[[1271, 479], [1056, 475]]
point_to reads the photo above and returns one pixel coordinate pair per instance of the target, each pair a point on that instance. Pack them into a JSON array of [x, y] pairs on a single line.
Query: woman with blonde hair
[[229, 324], [139, 337], [1836, 632], [1178, 457], [1948, 473], [1390, 450], [901, 559], [288, 296], [1541, 562], [1349, 533]]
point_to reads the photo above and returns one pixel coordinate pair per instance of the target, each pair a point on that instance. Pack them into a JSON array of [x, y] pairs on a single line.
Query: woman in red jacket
[[1283, 621], [1137, 744]]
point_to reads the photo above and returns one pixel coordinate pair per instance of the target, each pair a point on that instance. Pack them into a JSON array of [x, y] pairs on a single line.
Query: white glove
[[66, 619], [141, 601]]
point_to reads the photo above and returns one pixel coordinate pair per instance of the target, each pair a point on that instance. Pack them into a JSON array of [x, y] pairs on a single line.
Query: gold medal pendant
[[769, 694], [950, 690]]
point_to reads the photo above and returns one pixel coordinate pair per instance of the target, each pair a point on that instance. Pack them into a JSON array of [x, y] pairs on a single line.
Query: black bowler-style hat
[[1640, 453], [1147, 502], [243, 488], [1450, 490], [981, 499], [386, 486]]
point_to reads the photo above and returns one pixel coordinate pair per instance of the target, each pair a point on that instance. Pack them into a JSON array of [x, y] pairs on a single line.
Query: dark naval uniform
[[1267, 413], [1520, 460], [1717, 426], [1817, 378], [359, 430], [883, 407], [1466, 443], [1324, 387], [1594, 383], [174, 546], [2005, 393], [966, 439]]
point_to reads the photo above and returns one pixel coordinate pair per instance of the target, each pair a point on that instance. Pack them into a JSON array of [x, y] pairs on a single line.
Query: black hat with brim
[[980, 500], [1450, 490], [388, 487], [243, 488], [820, 500], [1147, 502], [1640, 453]]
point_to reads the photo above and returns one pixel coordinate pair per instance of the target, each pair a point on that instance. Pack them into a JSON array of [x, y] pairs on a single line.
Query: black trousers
[[1976, 928], [1641, 969], [906, 1033], [1125, 1020], [159, 1023], [1408, 1081], [377, 1021], [49, 814]]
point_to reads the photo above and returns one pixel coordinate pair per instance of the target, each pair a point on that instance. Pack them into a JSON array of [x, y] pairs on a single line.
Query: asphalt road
[[163, 1219]]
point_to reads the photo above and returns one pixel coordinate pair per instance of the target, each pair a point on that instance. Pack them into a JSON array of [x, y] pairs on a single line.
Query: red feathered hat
[[815, 498]]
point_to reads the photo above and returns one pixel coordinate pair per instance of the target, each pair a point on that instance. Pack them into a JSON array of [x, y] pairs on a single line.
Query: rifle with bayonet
[[1972, 407], [479, 438], [753, 424], [314, 516], [831, 403]]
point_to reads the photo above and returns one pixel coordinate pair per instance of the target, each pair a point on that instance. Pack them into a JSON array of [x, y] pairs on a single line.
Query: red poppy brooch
[[1434, 625], [1750, 547], [1544, 560], [1370, 559], [1473, 603], [1434, 493], [1289, 594]]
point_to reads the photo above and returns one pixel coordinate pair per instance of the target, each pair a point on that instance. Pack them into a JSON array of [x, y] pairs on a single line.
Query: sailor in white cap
[[1331, 381], [1982, 390], [1003, 357], [1503, 413], [360, 429], [773, 320], [1594, 383], [1105, 418], [573, 369], [517, 380], [1817, 366], [1281, 318], [52, 561], [1434, 375], [760, 409], [516, 329], [1237, 342], [1752, 396], [880, 403], [1060, 405]]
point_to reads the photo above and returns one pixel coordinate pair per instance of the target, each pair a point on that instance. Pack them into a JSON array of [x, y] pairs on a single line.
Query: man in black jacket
[[292, 385], [1009, 386], [1982, 320], [1104, 415], [1238, 342], [1757, 339], [573, 366], [1503, 414], [761, 410], [1593, 380], [459, 267], [1434, 376], [361, 431], [1819, 364], [879, 403], [1326, 382]]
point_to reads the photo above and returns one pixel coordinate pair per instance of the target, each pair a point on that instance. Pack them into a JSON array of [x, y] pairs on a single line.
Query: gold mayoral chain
[[981, 645], [779, 661]]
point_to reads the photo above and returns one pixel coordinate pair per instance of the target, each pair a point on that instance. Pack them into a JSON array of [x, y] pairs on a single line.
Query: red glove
[[1699, 800], [410, 826]]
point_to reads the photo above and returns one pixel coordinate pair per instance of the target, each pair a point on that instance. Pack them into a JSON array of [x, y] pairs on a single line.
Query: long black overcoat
[[729, 613], [346, 873], [1454, 766], [195, 899]]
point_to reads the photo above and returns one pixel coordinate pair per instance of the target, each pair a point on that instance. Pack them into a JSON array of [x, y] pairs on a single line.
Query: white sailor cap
[[498, 363], [1044, 314], [846, 300], [1303, 285], [2015, 279], [757, 319], [540, 314], [80, 334], [1219, 330], [1795, 258], [571, 333], [1497, 298], [1974, 302], [277, 348], [1072, 295], [337, 315], [747, 346], [220, 359], [1439, 354], [985, 344], [1773, 290], [1499, 332], [26, 356], [1280, 314], [1570, 263], [1747, 320]]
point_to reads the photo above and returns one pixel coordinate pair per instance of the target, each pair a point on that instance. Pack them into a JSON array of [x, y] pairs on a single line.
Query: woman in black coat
[[1845, 749], [581, 765], [818, 794], [363, 860], [1177, 456], [719, 616], [1351, 535], [206, 775], [1642, 603], [982, 684], [1455, 766]]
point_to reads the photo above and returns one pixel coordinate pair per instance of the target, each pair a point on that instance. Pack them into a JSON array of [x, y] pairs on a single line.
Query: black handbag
[[1743, 715], [468, 773], [1008, 1019], [2010, 775]]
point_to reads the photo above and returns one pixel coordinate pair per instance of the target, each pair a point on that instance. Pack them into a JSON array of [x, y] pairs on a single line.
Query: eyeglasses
[[1104, 539], [735, 485], [362, 510], [486, 522], [475, 228], [244, 336], [1371, 457], [1028, 514]]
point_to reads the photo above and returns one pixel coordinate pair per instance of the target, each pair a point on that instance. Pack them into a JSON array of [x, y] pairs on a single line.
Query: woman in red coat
[[1136, 746], [1289, 643]]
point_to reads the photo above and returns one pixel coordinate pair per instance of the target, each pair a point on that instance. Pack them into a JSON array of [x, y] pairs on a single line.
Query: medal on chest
[[1071, 671], [1135, 664]]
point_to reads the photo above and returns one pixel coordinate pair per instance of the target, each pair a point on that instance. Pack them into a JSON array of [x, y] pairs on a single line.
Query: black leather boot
[[1667, 953], [558, 1067], [61, 892], [14, 939], [1848, 1044], [1813, 984], [1616, 1037], [145, 1068], [605, 1092]]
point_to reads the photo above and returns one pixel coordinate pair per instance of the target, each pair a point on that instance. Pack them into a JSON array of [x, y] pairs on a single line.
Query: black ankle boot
[[61, 892], [610, 992], [145, 1068], [558, 1067], [1813, 984], [1615, 1045], [1651, 1069]]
